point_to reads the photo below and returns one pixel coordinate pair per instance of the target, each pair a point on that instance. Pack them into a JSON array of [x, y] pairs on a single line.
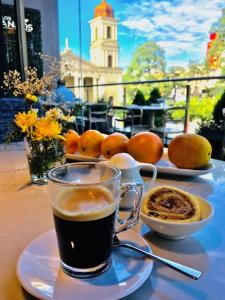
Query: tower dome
[[104, 10]]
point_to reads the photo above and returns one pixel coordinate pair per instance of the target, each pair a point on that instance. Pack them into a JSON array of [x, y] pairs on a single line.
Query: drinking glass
[[85, 201]]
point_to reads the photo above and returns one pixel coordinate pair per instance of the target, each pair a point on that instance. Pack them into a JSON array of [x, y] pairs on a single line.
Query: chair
[[122, 120], [81, 117], [172, 124], [138, 125], [98, 113]]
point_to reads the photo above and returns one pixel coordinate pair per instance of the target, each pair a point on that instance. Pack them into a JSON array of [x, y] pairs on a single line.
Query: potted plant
[[155, 95], [213, 129], [42, 129], [139, 98]]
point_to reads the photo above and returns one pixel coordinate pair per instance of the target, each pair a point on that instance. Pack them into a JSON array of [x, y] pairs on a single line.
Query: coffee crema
[[84, 204]]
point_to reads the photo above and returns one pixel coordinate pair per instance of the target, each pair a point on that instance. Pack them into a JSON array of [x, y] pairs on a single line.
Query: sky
[[180, 27]]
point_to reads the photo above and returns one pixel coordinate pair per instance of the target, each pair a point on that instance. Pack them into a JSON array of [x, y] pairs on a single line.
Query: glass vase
[[42, 156]]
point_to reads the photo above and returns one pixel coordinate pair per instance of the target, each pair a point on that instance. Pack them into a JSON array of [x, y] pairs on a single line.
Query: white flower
[[54, 113], [68, 118]]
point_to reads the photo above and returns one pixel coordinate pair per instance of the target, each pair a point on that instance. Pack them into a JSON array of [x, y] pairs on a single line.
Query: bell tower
[[104, 46]]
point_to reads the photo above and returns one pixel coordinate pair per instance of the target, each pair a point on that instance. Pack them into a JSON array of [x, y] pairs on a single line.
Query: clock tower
[[104, 46]]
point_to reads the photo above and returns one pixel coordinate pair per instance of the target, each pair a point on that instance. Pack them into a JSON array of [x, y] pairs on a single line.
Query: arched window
[[96, 33], [110, 61], [109, 32]]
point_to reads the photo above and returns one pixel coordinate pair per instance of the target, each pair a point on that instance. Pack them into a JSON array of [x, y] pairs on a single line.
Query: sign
[[9, 24]]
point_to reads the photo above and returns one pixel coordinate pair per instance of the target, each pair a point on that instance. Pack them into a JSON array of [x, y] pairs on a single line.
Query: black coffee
[[84, 222]]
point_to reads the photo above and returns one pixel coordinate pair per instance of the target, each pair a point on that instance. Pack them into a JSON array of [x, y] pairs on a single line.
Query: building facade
[[103, 67]]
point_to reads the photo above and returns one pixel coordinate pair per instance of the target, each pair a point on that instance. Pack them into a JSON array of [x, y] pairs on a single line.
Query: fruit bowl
[[176, 231], [163, 166]]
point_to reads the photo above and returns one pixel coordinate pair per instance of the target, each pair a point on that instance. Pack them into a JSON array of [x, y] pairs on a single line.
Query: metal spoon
[[192, 273]]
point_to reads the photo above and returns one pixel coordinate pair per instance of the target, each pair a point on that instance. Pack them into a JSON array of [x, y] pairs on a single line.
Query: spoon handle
[[192, 273]]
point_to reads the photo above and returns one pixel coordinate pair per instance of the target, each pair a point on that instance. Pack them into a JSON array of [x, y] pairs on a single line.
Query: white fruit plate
[[164, 166]]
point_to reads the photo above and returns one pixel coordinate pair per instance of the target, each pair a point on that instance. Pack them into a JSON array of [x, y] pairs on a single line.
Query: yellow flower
[[46, 128], [26, 120], [30, 97]]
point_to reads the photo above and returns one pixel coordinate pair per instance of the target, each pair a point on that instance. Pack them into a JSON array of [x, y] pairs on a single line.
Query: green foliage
[[176, 72], [203, 125], [148, 60], [196, 69], [148, 63], [154, 96], [201, 109], [213, 127], [139, 98], [217, 113]]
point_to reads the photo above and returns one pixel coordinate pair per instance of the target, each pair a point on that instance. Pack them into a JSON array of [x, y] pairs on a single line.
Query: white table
[[151, 109], [25, 213]]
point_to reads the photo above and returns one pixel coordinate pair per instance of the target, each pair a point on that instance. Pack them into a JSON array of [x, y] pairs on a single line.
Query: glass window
[[96, 33], [40, 30], [32, 25], [109, 32], [10, 35], [110, 61]]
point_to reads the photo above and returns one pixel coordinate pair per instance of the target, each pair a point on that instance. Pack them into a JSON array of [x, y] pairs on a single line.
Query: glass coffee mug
[[85, 202]]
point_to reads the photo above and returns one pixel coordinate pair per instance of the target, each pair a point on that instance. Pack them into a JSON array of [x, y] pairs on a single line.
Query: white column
[[76, 83], [81, 90], [95, 90]]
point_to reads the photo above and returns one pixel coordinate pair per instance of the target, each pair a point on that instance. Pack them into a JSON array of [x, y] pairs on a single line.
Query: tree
[[196, 69], [218, 110], [217, 50], [177, 72], [148, 63]]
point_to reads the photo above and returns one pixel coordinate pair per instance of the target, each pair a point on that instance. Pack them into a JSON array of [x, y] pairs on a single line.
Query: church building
[[103, 67]]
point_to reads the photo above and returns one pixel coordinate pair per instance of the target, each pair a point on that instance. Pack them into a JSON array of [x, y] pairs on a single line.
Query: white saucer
[[39, 271]]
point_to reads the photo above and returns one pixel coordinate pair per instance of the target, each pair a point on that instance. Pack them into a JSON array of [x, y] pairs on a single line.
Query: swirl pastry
[[171, 204]]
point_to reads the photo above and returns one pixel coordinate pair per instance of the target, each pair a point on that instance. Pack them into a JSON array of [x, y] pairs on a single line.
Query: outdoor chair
[[171, 125], [98, 114], [82, 117], [138, 125], [122, 120]]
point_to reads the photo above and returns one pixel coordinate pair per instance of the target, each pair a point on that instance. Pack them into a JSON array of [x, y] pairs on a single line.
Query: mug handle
[[150, 167], [133, 216]]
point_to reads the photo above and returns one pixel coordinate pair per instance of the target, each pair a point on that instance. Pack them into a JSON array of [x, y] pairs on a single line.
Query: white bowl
[[176, 231]]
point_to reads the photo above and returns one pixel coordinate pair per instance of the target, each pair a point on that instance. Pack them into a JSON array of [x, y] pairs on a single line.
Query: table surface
[[153, 107], [25, 213]]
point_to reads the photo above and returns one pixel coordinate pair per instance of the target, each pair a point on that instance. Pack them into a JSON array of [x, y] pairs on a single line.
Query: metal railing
[[185, 79], [188, 79]]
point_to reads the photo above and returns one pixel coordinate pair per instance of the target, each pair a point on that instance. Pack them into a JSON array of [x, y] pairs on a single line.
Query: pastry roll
[[171, 204]]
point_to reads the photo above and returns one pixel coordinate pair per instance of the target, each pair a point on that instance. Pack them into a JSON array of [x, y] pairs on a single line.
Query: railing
[[154, 81], [186, 79]]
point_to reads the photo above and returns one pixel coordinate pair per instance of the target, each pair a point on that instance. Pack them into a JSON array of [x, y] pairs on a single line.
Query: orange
[[146, 147], [71, 142], [189, 151], [113, 144], [90, 143]]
